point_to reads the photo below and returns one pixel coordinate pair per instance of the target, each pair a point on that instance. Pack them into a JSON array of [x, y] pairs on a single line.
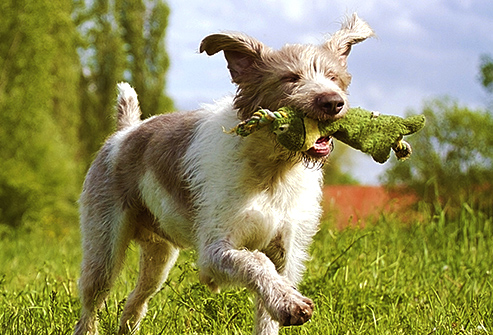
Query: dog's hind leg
[[104, 244], [156, 260]]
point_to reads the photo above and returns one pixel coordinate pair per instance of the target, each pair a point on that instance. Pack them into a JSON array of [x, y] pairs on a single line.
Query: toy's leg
[[402, 150]]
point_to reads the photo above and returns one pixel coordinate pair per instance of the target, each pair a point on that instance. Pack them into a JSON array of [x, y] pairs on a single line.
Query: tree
[[486, 72], [144, 26], [57, 91], [124, 40], [39, 178], [102, 58], [333, 169], [453, 159]]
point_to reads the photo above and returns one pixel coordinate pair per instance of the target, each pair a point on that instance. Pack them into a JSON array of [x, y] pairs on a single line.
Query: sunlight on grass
[[432, 276]]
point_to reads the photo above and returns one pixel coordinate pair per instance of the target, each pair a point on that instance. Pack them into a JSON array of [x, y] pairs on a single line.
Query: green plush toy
[[369, 132]]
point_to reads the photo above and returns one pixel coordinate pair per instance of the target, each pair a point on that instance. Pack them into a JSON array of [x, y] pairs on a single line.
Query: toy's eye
[[282, 129]]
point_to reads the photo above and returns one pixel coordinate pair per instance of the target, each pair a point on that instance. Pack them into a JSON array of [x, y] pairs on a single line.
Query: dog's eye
[[333, 78], [291, 78]]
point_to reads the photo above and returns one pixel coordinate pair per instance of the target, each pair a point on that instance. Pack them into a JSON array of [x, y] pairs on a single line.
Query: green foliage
[[486, 72], [453, 156], [144, 26], [334, 173], [429, 277], [102, 56], [123, 40], [59, 65], [39, 179]]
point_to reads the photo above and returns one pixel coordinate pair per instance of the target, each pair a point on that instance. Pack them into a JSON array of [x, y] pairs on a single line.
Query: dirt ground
[[358, 205]]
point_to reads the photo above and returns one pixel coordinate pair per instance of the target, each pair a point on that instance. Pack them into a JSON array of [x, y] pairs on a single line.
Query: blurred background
[[60, 61]]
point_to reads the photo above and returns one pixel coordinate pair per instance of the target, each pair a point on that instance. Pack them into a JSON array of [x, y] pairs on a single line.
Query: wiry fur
[[248, 206]]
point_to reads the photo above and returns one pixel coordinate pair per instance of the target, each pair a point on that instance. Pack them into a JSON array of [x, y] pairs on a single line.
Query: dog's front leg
[[254, 270], [264, 324]]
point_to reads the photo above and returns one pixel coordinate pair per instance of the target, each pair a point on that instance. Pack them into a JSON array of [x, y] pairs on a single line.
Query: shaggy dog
[[249, 207]]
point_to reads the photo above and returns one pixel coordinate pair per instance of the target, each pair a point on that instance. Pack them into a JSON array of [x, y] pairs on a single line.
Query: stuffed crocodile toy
[[370, 132]]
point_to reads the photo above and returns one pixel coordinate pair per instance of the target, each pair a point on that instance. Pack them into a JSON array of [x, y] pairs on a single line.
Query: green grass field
[[431, 276]]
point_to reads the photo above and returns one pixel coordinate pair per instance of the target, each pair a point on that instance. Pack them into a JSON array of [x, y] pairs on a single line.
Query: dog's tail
[[127, 106]]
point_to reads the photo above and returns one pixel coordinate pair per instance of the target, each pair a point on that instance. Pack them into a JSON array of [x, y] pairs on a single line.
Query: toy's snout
[[330, 103]]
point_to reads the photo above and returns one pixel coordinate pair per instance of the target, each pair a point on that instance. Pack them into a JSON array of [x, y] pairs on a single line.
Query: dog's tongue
[[321, 148]]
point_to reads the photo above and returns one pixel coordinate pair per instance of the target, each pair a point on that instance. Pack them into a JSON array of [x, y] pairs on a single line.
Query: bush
[[39, 178], [453, 156]]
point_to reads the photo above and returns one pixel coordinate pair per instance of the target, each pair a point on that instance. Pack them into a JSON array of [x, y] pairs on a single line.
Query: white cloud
[[294, 10]]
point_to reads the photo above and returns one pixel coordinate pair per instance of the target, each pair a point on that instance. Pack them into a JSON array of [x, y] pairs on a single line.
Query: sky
[[424, 49]]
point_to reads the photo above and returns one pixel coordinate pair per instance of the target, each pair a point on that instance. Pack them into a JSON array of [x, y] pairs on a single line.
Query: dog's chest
[[245, 190], [289, 205], [263, 219]]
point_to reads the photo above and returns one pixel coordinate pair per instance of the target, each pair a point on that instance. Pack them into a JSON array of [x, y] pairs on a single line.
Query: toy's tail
[[260, 118], [127, 106]]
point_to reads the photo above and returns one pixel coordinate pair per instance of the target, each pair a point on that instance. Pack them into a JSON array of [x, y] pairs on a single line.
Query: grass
[[432, 276]]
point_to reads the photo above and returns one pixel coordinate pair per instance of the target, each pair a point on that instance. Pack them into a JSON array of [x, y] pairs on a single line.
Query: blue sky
[[424, 49]]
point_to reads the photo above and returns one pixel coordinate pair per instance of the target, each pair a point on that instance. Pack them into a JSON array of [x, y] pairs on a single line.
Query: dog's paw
[[295, 311]]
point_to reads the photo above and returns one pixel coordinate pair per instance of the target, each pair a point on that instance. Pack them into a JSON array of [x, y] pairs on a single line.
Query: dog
[[248, 206]]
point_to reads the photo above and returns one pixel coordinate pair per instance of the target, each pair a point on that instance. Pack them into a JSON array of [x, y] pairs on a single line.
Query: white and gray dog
[[248, 206]]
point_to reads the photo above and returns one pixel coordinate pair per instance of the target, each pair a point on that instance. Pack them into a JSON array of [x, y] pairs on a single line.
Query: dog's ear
[[353, 31], [240, 51]]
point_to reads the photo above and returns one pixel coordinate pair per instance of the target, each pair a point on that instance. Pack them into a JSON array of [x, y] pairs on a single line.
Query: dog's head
[[308, 77]]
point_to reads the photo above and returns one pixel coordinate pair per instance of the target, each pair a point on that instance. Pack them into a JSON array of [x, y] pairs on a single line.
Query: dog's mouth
[[322, 147]]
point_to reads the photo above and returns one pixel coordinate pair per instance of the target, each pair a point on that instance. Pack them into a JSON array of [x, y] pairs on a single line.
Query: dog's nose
[[330, 103]]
